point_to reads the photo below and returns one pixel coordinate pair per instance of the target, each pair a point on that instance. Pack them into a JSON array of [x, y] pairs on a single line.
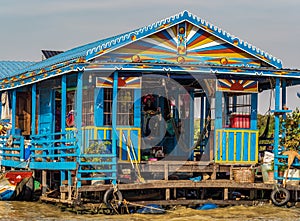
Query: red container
[[239, 120]]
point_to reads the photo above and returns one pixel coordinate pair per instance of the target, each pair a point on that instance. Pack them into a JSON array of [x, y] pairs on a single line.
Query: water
[[39, 211]]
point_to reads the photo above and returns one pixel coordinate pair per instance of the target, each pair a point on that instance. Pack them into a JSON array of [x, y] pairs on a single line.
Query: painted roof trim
[[135, 35], [195, 69]]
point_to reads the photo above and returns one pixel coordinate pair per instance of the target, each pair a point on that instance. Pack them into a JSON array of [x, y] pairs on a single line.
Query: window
[[70, 117], [107, 106], [125, 106], [238, 109], [88, 106]]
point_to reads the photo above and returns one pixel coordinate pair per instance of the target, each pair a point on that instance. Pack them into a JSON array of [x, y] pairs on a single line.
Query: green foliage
[[97, 147], [291, 135]]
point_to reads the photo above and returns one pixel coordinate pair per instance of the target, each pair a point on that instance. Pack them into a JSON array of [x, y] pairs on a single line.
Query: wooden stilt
[[166, 177], [253, 194], [231, 172], [166, 171], [214, 174], [44, 181], [225, 193], [167, 194], [69, 192], [202, 194]]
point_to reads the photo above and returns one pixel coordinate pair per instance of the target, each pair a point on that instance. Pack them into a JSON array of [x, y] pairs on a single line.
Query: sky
[[29, 26]]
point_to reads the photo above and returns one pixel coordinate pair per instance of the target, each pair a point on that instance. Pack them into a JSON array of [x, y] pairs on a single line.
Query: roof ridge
[[204, 24]]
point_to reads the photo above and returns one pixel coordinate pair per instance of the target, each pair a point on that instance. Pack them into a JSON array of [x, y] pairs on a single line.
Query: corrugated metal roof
[[50, 53], [75, 53], [9, 68]]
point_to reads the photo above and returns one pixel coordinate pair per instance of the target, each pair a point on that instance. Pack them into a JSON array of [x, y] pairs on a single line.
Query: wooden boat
[[14, 185]]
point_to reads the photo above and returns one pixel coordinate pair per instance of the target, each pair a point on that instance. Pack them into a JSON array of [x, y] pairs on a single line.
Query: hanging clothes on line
[[5, 109]]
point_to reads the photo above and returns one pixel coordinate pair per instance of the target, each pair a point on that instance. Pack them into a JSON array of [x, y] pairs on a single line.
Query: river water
[[39, 211]]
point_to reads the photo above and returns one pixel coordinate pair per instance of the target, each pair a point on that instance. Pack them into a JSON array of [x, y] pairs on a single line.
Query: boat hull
[[12, 184]]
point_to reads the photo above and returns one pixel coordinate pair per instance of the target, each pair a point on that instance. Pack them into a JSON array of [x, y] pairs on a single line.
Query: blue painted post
[[99, 107], [137, 119], [22, 149], [63, 122], [283, 105], [218, 110], [137, 107], [283, 95], [276, 130], [218, 118], [69, 178], [253, 114], [114, 127], [78, 121], [13, 111], [33, 108], [63, 102]]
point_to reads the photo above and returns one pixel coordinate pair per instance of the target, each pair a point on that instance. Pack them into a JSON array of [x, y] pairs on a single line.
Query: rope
[[125, 202]]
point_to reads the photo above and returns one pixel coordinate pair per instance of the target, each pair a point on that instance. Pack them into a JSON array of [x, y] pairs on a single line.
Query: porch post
[[13, 112], [63, 102], [276, 130], [218, 110], [78, 121], [114, 126], [63, 122], [33, 107], [283, 95], [253, 114]]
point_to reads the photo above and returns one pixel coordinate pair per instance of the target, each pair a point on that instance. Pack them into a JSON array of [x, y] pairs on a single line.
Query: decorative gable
[[183, 43]]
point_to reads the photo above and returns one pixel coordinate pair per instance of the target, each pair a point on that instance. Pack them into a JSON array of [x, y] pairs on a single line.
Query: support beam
[[168, 194], [44, 182], [253, 113], [13, 111], [225, 193], [33, 109], [277, 123], [63, 119], [78, 121], [114, 125]]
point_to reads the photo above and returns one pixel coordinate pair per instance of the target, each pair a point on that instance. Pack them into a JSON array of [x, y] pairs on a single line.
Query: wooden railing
[[237, 146], [12, 148], [53, 147], [133, 134]]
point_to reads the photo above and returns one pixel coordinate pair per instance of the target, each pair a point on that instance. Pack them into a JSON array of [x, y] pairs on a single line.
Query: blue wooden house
[[135, 98]]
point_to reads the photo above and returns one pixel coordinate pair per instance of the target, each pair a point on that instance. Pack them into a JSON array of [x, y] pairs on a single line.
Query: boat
[[16, 185]]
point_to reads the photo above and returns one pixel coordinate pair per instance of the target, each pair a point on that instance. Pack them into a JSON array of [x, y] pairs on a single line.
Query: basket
[[243, 175]]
